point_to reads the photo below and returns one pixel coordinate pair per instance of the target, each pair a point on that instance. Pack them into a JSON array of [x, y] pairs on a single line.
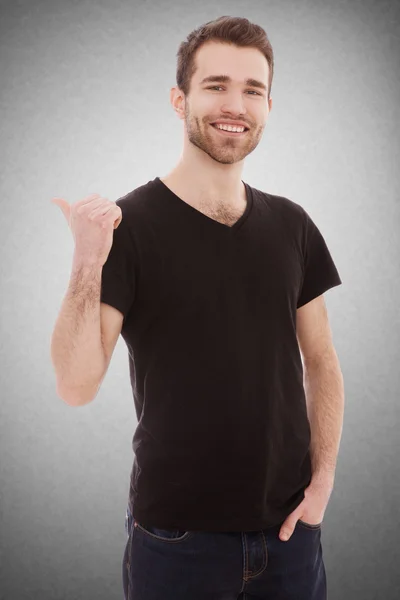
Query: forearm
[[324, 388], [76, 347]]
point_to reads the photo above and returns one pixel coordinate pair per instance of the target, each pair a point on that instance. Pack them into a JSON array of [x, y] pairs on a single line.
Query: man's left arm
[[324, 390], [323, 385]]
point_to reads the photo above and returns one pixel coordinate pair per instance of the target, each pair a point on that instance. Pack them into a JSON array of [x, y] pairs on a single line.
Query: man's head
[[241, 52]]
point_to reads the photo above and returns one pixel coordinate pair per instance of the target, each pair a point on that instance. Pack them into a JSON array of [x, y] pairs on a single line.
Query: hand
[[311, 509], [92, 221]]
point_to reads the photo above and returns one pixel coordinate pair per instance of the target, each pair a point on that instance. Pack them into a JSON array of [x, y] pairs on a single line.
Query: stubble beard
[[228, 151]]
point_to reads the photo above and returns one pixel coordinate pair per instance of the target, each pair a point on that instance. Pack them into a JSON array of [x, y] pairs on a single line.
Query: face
[[232, 100]]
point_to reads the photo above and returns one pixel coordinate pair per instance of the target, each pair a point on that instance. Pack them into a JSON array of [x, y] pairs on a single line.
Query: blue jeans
[[161, 564]]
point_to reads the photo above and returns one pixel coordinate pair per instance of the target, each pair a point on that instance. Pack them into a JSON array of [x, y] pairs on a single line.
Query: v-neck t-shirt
[[222, 440]]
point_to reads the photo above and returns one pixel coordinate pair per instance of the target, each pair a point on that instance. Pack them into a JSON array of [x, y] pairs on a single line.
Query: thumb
[[65, 207], [287, 528]]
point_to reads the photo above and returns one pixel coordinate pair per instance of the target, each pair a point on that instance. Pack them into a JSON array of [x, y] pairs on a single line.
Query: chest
[[223, 213], [206, 273]]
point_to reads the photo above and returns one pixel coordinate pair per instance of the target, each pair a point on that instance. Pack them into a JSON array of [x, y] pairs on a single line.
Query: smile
[[230, 133]]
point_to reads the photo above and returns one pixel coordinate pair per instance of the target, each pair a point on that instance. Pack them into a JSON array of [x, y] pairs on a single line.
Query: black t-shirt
[[222, 441]]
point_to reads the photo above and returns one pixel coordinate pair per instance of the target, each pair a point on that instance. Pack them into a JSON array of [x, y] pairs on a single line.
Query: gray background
[[85, 108]]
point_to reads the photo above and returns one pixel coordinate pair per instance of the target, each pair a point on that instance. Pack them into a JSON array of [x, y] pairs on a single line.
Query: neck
[[205, 185]]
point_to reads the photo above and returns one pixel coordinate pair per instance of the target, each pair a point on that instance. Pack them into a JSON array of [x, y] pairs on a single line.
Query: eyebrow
[[225, 78]]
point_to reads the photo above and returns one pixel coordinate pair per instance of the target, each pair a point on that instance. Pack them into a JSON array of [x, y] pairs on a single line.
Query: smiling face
[[241, 95]]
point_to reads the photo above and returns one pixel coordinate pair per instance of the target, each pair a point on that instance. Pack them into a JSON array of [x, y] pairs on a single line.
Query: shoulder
[[291, 213], [137, 200]]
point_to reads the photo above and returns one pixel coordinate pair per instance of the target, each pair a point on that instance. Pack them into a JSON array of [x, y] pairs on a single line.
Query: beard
[[223, 150]]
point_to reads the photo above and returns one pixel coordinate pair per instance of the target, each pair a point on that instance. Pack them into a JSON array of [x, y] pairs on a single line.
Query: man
[[217, 289]]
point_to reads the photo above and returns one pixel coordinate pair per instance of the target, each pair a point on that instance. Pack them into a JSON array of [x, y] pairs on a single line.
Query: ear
[[177, 99]]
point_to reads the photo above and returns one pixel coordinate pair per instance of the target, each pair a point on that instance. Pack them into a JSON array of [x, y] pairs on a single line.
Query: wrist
[[323, 478], [85, 262]]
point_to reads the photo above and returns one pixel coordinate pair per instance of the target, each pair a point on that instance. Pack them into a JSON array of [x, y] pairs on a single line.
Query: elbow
[[77, 397]]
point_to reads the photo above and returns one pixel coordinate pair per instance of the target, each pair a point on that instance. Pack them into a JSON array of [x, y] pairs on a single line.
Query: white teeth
[[230, 128]]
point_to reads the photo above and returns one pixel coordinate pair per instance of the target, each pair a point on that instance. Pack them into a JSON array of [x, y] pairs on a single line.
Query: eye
[[218, 86]]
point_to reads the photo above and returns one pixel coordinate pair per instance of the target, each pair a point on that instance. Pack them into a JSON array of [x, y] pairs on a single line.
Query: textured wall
[[85, 108]]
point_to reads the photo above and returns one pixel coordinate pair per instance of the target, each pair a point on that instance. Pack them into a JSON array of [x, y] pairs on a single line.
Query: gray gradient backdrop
[[85, 108]]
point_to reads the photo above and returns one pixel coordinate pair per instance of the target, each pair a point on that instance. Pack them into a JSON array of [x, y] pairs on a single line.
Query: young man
[[217, 289]]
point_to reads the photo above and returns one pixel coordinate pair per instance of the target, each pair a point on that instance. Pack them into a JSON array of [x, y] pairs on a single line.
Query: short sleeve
[[319, 271], [118, 275]]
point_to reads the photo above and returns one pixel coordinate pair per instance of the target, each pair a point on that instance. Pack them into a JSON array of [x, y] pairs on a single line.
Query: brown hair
[[231, 30]]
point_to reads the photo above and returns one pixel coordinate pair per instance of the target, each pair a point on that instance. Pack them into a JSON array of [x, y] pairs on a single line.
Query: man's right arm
[[84, 336]]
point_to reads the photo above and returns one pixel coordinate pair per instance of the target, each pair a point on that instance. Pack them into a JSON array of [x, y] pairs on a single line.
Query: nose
[[233, 104]]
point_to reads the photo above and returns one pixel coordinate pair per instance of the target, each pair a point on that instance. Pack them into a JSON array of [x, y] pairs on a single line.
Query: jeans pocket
[[165, 535], [309, 525]]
